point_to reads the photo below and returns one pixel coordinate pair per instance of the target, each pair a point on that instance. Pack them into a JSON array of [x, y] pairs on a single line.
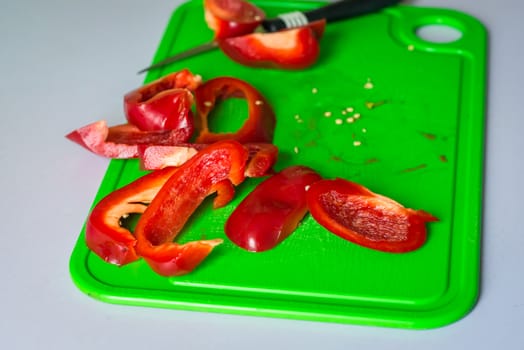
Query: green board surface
[[416, 135]]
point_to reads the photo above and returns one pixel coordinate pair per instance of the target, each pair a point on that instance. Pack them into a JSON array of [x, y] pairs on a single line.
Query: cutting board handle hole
[[438, 33]]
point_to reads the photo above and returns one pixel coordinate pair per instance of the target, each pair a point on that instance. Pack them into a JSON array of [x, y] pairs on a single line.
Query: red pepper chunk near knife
[[260, 123], [294, 49], [216, 168], [229, 18], [105, 235], [272, 211], [164, 104], [358, 215]]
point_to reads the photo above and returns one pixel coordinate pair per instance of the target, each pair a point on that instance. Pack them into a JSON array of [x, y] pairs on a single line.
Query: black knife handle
[[336, 11]]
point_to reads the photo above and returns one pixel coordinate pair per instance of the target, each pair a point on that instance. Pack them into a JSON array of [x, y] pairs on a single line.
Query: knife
[[333, 12]]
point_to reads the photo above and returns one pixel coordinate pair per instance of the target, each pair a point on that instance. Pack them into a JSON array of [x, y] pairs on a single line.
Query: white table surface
[[63, 64]]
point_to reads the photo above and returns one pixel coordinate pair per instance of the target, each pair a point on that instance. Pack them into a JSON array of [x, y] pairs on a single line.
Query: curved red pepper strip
[[164, 104], [358, 215], [272, 211], [104, 233], [295, 48], [262, 157], [215, 168], [122, 141], [260, 123], [228, 18]]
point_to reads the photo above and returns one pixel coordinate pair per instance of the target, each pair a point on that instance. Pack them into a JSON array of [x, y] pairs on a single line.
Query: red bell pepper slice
[[214, 169], [122, 141], [262, 157], [358, 215], [104, 234], [260, 123], [295, 48], [228, 18], [155, 157], [272, 211], [164, 104]]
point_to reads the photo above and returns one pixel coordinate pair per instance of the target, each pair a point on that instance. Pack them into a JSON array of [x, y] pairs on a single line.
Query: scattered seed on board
[[371, 105], [368, 85], [327, 114], [298, 119], [357, 143], [338, 121], [314, 90]]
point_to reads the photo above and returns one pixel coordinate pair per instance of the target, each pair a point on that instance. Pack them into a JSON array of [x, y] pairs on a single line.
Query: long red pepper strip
[[358, 215], [122, 141], [214, 169], [262, 157], [105, 235]]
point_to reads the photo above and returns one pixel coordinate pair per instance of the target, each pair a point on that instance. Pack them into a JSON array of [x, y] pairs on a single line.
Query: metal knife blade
[[336, 11]]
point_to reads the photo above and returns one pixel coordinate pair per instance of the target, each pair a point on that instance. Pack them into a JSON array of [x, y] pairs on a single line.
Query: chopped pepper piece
[[105, 235], [214, 169], [358, 215], [262, 156], [272, 211], [122, 141], [164, 104], [260, 123], [295, 48], [229, 18]]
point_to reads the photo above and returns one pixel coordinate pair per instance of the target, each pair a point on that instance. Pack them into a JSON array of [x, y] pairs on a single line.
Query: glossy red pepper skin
[[260, 123], [122, 141], [229, 18], [262, 157], [293, 49], [164, 104], [358, 215], [104, 233], [272, 211], [214, 169]]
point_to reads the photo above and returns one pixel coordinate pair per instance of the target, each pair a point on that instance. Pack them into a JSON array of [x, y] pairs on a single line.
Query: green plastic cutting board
[[382, 107]]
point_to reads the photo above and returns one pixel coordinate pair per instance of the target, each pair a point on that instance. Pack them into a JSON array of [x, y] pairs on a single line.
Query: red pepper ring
[[229, 18], [164, 104], [260, 123], [214, 169], [358, 215], [104, 233]]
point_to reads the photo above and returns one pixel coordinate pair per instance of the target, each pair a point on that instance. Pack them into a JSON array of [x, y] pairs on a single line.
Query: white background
[[63, 64]]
